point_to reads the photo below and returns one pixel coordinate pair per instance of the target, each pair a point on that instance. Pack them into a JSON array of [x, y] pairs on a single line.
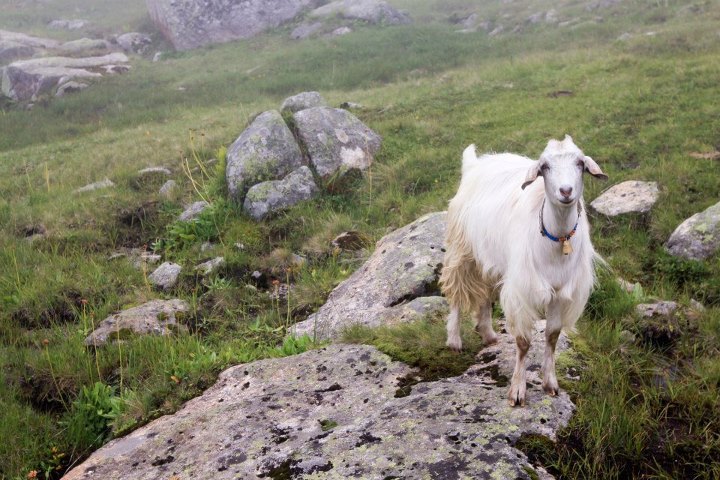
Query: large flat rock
[[698, 237], [404, 268], [632, 196], [333, 414]]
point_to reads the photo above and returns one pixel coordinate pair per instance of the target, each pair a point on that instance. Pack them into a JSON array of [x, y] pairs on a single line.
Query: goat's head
[[562, 165]]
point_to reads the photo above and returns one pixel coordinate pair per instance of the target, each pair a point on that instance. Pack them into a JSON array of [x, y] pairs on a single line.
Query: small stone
[[305, 30], [661, 308], [697, 306], [193, 211], [158, 56], [154, 171], [210, 266], [107, 183], [70, 87], [629, 287], [206, 246], [168, 188], [134, 42], [351, 106], [627, 337], [350, 241], [340, 31], [627, 197], [165, 276]]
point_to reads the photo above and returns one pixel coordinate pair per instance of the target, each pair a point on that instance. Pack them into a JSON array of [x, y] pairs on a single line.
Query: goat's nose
[[566, 191]]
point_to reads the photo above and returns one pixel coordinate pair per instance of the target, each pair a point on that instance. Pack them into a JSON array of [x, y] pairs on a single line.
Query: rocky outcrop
[[15, 46], [698, 237], [338, 413], [165, 276], [158, 317], [27, 79], [189, 24], [266, 150], [627, 197], [404, 268], [376, 12], [268, 197], [336, 140], [302, 101]]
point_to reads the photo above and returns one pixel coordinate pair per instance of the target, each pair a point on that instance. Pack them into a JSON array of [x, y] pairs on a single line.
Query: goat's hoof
[[552, 391], [454, 346], [491, 340], [516, 397]]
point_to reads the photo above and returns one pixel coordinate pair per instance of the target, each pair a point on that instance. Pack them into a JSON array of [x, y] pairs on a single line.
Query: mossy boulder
[[272, 196], [698, 237], [265, 151]]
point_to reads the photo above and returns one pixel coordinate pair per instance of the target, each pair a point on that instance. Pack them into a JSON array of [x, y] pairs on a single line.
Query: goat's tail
[[469, 158]]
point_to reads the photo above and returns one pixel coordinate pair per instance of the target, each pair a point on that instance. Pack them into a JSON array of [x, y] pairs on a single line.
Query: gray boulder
[[661, 308], [266, 150], [698, 237], [70, 87], [372, 11], [134, 42], [337, 413], [26, 79], [275, 195], [305, 30], [168, 188], [627, 197], [336, 140], [157, 317], [11, 51], [301, 101], [193, 211], [404, 268], [165, 276], [189, 24]]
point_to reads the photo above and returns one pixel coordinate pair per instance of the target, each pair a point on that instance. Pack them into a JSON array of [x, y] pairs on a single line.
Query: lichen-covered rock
[[698, 237], [405, 266], [26, 79], [165, 276], [301, 101], [134, 42], [275, 195], [73, 24], [193, 211], [266, 150], [627, 197], [107, 183], [157, 317], [372, 11], [661, 308], [336, 140], [337, 413], [189, 24], [167, 188]]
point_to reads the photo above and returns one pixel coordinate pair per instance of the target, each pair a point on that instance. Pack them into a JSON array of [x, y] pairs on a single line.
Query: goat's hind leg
[[483, 322], [453, 329]]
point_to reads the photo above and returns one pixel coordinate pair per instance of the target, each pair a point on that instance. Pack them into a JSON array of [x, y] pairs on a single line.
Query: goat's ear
[[593, 168], [532, 175]]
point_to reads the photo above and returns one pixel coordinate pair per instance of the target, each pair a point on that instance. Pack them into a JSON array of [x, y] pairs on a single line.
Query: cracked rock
[[404, 267]]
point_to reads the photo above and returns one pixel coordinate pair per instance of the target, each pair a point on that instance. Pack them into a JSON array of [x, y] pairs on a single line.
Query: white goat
[[529, 245]]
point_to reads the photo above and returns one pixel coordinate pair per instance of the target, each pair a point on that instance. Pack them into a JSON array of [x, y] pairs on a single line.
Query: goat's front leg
[[516, 395], [553, 327]]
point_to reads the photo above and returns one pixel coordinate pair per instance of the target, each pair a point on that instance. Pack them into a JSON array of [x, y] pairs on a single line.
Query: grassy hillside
[[638, 106]]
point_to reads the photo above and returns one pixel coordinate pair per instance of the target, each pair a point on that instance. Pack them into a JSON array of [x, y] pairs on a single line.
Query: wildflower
[[174, 379], [84, 301], [45, 342], [32, 474]]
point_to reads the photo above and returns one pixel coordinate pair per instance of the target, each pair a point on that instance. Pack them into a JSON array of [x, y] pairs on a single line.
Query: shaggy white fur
[[495, 249]]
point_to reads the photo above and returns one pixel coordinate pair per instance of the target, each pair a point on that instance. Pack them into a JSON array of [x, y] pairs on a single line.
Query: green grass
[[638, 107]]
